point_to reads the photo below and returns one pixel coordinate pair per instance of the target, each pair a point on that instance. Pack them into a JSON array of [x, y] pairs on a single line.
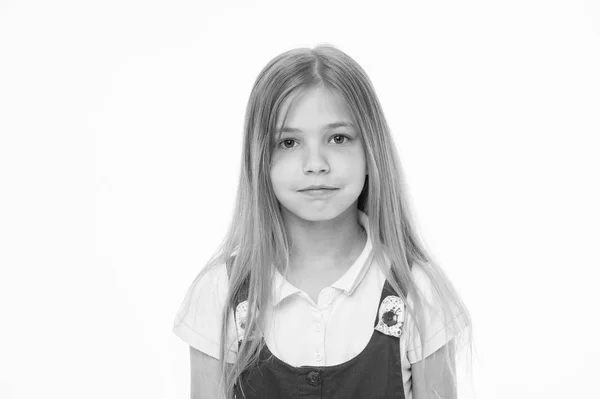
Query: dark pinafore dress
[[376, 372]]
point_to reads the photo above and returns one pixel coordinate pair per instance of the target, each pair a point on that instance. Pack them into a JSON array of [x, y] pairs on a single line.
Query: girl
[[321, 288]]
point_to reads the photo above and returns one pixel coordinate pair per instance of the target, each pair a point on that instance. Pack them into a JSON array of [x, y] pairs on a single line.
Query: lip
[[319, 192], [320, 187]]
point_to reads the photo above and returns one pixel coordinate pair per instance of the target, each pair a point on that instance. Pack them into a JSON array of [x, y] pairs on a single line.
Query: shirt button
[[317, 327], [318, 356], [314, 378]]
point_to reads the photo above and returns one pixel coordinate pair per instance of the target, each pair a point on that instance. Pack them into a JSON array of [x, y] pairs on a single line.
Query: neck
[[321, 244]]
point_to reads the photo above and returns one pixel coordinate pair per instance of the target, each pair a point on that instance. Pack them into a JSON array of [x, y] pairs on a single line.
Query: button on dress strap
[[385, 292]]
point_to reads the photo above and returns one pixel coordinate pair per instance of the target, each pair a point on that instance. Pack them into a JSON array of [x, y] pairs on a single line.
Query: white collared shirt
[[301, 332]]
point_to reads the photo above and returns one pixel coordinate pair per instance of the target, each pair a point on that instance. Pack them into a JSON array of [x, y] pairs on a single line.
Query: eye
[[341, 135], [285, 144], [286, 141]]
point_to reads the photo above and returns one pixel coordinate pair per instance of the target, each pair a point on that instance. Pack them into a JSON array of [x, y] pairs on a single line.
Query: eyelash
[[289, 148]]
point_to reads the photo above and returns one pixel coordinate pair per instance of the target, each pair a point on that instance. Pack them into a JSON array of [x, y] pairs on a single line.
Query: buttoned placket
[[320, 316], [319, 337]]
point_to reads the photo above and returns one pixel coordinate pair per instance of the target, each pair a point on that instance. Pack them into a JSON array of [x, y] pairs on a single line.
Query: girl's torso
[[330, 347]]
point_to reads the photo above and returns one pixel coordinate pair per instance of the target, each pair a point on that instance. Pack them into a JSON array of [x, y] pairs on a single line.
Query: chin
[[316, 212]]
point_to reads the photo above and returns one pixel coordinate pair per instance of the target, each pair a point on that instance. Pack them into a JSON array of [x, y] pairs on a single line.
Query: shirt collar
[[347, 283]]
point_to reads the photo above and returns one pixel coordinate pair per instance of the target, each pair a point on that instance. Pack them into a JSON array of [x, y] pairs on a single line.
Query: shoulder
[[211, 281], [216, 275], [423, 283], [421, 278], [442, 318], [208, 288], [199, 319]]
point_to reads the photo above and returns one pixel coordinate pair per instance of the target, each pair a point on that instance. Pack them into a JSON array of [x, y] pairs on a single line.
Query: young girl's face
[[319, 146]]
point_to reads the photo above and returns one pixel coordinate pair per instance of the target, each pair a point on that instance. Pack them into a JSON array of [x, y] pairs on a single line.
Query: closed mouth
[[318, 189]]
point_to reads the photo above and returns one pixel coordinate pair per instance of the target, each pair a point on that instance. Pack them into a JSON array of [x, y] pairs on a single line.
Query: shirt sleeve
[[438, 330], [198, 321]]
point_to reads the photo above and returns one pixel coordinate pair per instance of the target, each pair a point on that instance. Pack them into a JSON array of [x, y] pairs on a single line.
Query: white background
[[121, 125]]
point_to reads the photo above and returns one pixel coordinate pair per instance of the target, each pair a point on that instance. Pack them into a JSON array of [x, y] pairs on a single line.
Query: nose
[[315, 162]]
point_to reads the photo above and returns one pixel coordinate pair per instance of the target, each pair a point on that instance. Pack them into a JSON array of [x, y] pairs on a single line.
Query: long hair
[[256, 234]]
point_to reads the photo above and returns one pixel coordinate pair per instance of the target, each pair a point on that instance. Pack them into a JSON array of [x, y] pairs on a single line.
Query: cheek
[[278, 174], [284, 165], [358, 165]]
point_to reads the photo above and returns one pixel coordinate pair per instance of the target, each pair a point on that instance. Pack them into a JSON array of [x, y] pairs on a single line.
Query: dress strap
[[390, 313], [239, 305], [386, 291], [242, 294]]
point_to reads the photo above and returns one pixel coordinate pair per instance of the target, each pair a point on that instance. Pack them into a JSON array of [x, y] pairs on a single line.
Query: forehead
[[312, 108]]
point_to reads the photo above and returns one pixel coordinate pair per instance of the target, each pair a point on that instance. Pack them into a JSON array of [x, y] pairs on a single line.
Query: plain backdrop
[[121, 126]]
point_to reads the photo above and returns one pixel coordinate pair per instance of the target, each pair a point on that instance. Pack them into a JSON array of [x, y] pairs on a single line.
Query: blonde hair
[[256, 234]]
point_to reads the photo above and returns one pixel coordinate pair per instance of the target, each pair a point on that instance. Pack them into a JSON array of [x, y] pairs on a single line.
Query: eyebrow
[[334, 125]]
